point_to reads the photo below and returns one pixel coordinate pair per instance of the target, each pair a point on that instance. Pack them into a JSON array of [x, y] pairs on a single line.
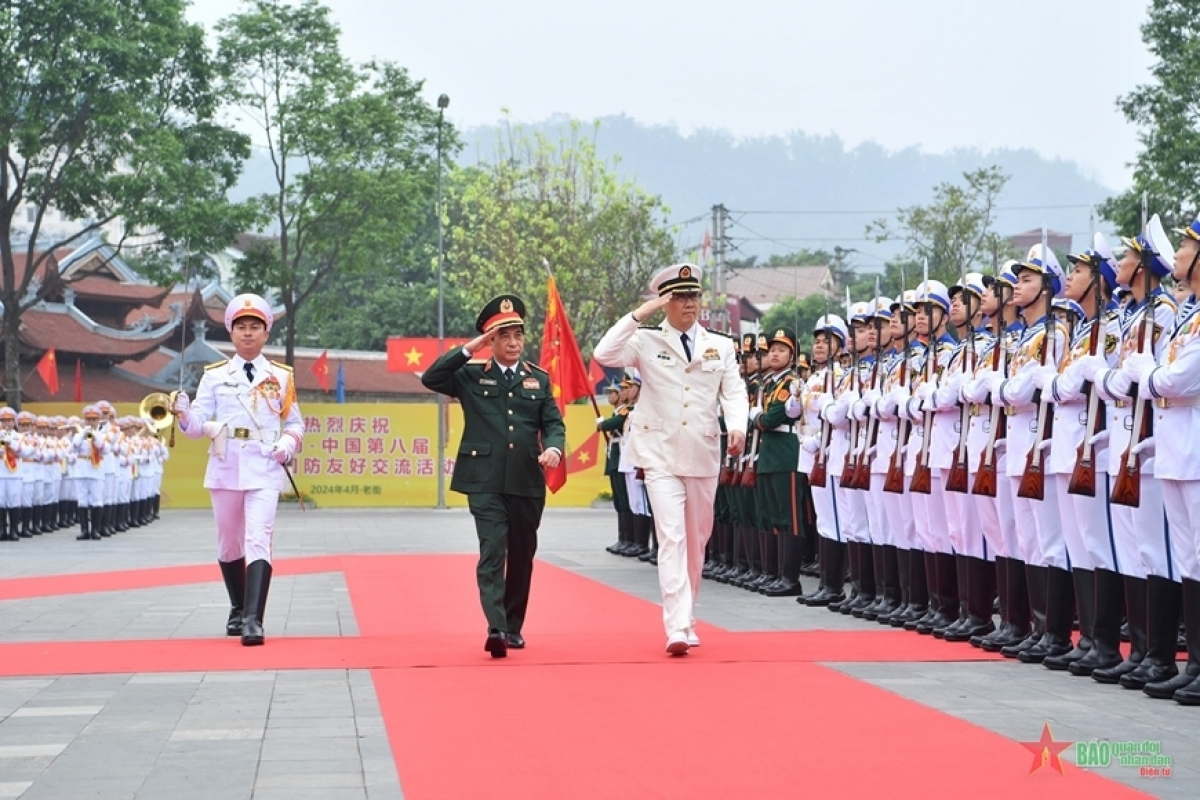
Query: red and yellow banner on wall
[[373, 454]]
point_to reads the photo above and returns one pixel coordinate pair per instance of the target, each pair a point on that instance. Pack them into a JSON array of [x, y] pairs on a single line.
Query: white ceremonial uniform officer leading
[[686, 372], [247, 407]]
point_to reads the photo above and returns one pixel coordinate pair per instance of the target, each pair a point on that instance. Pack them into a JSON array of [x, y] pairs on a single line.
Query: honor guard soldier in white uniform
[[686, 371], [247, 407], [1174, 381]]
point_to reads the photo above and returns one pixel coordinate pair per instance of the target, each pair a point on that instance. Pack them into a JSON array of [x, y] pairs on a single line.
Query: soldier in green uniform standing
[[512, 429], [778, 461], [613, 427]]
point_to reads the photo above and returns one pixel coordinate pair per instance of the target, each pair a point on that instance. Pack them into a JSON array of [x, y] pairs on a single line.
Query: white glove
[[1043, 376], [870, 396], [796, 388], [283, 449], [885, 408], [1138, 367], [1070, 382], [182, 407], [599, 422], [811, 444], [991, 380], [859, 411], [925, 390], [1144, 448], [1089, 365], [754, 412], [848, 399], [1118, 383], [896, 397]]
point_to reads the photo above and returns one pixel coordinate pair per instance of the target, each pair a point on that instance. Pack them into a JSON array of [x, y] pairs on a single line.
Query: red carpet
[[593, 708]]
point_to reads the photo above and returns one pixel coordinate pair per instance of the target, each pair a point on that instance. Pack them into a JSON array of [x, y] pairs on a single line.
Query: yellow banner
[[370, 454]]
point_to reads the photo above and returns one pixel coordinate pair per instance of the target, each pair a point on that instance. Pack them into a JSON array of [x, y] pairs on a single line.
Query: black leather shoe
[[516, 641], [496, 644], [784, 589]]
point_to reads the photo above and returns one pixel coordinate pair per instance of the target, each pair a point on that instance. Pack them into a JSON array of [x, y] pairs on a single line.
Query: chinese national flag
[[47, 367], [320, 368], [417, 353], [564, 363], [586, 455], [78, 380]]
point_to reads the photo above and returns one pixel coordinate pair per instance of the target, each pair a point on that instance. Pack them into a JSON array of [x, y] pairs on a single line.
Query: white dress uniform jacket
[[674, 424], [244, 420]]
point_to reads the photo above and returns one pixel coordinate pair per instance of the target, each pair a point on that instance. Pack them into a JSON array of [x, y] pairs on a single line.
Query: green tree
[[953, 232], [801, 315], [353, 149], [107, 116], [555, 202], [799, 258], [1169, 130]]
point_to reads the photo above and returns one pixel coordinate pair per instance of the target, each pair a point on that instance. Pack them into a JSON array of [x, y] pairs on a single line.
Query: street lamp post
[[442, 102]]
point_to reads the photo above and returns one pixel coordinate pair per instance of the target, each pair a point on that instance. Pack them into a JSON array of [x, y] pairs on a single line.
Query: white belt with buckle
[[1178, 402], [253, 435]]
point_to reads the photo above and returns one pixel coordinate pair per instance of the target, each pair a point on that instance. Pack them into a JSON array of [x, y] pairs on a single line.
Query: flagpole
[[591, 394], [442, 102]]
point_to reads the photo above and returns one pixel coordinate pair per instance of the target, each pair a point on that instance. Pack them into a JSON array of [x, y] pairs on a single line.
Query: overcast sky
[[935, 74]]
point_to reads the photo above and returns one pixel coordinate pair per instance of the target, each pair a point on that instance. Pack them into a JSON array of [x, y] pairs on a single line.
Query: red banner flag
[[47, 367], [560, 353], [320, 368], [564, 363], [78, 380], [586, 455], [417, 353]]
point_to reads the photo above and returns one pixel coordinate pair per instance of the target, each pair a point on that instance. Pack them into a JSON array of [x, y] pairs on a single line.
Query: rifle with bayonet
[[894, 480], [1083, 476], [985, 477], [847, 477], [922, 479], [1127, 488], [1033, 480], [862, 469], [749, 476], [818, 476], [956, 480]]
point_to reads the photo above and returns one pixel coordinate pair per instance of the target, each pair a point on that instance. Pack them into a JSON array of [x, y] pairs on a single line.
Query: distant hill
[[800, 172]]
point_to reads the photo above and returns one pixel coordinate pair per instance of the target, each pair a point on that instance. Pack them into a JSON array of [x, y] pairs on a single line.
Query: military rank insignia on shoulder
[[281, 365], [648, 327], [535, 368], [216, 364]]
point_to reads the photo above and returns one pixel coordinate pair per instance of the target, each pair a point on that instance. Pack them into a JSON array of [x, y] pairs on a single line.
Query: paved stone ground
[[320, 734]]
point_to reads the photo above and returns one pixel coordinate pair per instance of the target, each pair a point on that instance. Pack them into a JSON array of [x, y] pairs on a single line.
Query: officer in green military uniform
[[512, 429], [613, 427], [778, 461]]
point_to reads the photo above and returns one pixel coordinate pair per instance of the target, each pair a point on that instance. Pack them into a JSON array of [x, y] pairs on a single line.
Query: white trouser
[[110, 488], [1144, 531], [826, 509], [906, 535], [887, 511], [683, 515], [90, 492], [852, 512], [245, 523], [1029, 547], [1182, 502], [637, 495], [991, 522], [1073, 518], [10, 492], [929, 512], [873, 505], [970, 540], [124, 489]]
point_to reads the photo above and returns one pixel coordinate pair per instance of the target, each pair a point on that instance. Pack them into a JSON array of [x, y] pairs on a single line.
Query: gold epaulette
[[282, 365], [216, 364], [623, 412], [535, 367]]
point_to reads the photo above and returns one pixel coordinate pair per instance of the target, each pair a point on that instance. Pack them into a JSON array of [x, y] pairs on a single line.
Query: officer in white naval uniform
[[675, 436], [247, 406]]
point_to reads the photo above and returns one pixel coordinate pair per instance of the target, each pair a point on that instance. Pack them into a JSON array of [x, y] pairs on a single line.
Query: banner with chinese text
[[374, 454]]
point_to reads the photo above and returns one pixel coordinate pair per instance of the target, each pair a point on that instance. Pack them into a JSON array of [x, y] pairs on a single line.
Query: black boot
[[135, 513], [767, 546], [791, 557], [1035, 591], [833, 574], [1015, 622], [622, 537], [1001, 578], [122, 513], [1084, 581], [962, 590], [1166, 690], [924, 606], [84, 528], [889, 591], [854, 570], [157, 505], [234, 573], [1108, 604], [641, 525], [11, 532], [1136, 616], [878, 569], [258, 584], [1060, 612], [100, 520], [1163, 600], [945, 588], [980, 593], [866, 580], [1189, 695], [900, 556], [26, 522]]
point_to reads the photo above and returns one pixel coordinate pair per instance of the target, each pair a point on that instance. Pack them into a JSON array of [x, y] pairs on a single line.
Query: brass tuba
[[156, 410]]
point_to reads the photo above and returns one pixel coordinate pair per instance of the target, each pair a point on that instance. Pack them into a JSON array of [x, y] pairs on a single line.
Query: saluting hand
[[643, 312], [480, 342]]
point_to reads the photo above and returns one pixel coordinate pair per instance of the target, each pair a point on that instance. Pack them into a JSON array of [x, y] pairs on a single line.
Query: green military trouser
[[507, 527]]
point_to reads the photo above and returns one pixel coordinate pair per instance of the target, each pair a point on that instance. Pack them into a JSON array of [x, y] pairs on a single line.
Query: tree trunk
[[12, 355], [289, 339]]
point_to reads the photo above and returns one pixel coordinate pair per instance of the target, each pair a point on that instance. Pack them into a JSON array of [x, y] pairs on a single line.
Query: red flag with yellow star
[[47, 367], [586, 455], [417, 353], [560, 353], [320, 368]]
